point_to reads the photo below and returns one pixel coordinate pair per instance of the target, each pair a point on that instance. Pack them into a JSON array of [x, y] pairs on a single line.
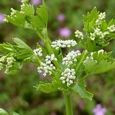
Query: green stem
[[68, 104], [83, 57], [47, 42]]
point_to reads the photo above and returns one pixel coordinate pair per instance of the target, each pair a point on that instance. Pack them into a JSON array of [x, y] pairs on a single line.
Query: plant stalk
[[68, 104]]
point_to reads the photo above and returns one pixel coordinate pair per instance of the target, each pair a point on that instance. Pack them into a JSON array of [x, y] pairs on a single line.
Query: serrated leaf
[[42, 13], [37, 24], [99, 67], [27, 9], [81, 90], [6, 48], [89, 20], [21, 18], [39, 21], [17, 19]]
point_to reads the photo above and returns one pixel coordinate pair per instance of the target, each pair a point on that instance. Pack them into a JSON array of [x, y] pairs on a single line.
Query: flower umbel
[[38, 51], [78, 34], [47, 67], [68, 76], [63, 44], [100, 18], [71, 57]]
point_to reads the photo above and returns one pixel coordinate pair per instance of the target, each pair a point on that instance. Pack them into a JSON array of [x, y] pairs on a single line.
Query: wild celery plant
[[68, 70]]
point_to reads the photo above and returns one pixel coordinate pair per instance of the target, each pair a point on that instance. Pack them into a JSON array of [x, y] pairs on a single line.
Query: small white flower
[[92, 36], [63, 43], [68, 76], [13, 11], [71, 57], [111, 28], [101, 51], [3, 58], [38, 51], [50, 58], [102, 15], [98, 33], [100, 18], [78, 34], [47, 67], [10, 60]]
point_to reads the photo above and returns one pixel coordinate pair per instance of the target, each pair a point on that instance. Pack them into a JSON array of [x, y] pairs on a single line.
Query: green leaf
[[90, 19], [21, 44], [3, 112], [39, 21], [6, 48], [47, 87], [27, 9], [17, 19], [21, 18], [100, 67], [111, 22], [81, 90], [42, 13]]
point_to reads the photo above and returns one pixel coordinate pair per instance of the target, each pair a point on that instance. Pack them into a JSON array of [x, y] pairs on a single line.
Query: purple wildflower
[[2, 17], [61, 17], [99, 110], [64, 32], [36, 2]]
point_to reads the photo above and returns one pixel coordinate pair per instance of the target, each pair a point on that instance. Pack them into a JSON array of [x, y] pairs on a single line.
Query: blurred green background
[[65, 16]]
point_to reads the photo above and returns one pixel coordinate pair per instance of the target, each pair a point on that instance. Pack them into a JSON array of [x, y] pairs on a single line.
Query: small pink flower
[[61, 17], [36, 2], [64, 32], [99, 110], [2, 17]]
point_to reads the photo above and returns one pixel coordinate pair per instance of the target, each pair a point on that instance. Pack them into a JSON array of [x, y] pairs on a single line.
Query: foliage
[[23, 53]]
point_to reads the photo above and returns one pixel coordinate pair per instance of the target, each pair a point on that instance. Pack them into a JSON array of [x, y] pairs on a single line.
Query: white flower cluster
[[68, 76], [111, 28], [10, 61], [63, 43], [47, 67], [90, 57], [38, 51], [13, 11], [22, 6], [71, 57], [78, 34], [100, 18], [98, 33]]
